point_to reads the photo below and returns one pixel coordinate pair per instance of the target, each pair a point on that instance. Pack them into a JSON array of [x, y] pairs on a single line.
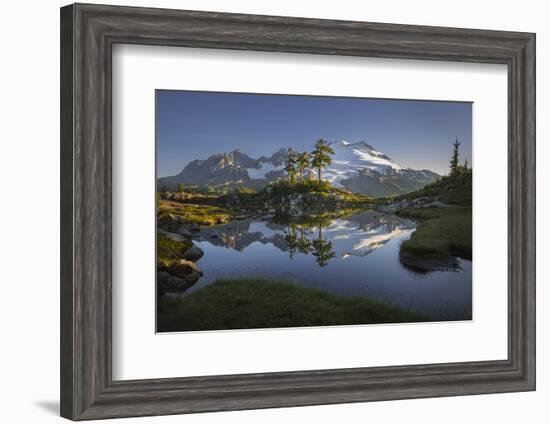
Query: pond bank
[[255, 302], [442, 235]]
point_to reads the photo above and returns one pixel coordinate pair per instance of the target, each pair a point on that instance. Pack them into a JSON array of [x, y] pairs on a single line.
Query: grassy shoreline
[[254, 302], [191, 213], [441, 235]]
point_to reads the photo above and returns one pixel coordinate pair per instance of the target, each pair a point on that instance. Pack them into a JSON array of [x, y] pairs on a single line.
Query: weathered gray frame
[[88, 33]]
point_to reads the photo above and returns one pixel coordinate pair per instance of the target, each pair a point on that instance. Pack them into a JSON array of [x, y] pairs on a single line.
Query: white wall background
[[29, 224]]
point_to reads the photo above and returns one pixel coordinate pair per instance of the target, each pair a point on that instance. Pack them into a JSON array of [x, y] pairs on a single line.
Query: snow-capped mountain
[[232, 167], [359, 167], [349, 159]]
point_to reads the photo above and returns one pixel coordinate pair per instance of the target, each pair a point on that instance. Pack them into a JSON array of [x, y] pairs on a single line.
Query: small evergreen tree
[[290, 166], [321, 156], [303, 162], [454, 159], [180, 188]]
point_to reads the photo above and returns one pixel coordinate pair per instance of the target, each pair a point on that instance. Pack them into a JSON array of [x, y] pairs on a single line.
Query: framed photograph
[[269, 211]]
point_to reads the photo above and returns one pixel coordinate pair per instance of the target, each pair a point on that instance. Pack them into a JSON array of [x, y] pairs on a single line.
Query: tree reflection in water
[[318, 247]]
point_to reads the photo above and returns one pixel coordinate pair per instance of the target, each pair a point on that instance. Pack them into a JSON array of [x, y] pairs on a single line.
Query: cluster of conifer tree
[[299, 162]]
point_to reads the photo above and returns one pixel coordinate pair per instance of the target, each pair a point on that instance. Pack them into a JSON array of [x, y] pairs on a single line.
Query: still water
[[357, 255]]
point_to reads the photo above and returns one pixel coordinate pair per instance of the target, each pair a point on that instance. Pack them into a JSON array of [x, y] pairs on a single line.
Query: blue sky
[[418, 134]]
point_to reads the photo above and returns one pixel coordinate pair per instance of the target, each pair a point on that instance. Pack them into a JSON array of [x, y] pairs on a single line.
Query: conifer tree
[[303, 162], [290, 166], [454, 158], [321, 156]]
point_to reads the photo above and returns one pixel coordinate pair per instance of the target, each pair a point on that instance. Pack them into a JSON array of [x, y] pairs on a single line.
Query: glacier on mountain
[[350, 159]]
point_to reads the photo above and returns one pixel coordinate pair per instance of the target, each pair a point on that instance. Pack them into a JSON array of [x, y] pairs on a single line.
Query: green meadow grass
[[254, 302]]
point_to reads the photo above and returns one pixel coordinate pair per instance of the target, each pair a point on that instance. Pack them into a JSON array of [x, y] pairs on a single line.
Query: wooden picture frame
[[88, 33]]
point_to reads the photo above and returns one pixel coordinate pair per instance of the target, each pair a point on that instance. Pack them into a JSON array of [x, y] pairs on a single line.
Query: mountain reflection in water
[[350, 256], [356, 235]]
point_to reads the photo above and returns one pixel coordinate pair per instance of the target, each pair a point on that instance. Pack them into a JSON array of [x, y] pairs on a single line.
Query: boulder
[[194, 253], [184, 232], [170, 235], [170, 283], [177, 275], [169, 221], [181, 268]]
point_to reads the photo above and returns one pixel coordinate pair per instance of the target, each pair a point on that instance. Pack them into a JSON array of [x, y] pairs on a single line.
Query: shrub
[[283, 187]]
